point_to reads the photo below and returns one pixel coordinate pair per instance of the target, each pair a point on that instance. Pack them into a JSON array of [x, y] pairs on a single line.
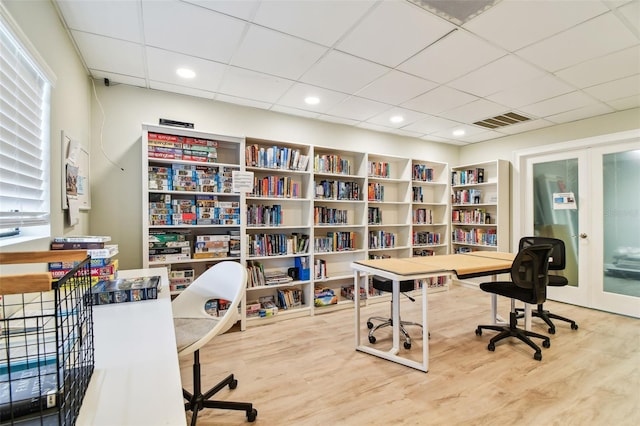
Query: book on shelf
[[125, 290]]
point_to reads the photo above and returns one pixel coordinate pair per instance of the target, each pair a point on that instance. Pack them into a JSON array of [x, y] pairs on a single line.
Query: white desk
[[136, 380], [463, 265]]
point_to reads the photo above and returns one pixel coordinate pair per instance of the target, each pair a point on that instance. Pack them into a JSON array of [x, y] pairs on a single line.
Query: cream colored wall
[[70, 101], [117, 161]]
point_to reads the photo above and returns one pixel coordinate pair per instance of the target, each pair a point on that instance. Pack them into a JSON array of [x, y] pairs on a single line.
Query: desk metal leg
[[395, 316]]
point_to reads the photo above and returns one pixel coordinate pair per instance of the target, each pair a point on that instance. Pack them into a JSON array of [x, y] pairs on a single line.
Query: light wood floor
[[305, 371]]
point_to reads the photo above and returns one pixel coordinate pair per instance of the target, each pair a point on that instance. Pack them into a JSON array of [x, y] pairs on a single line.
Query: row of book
[[199, 209], [336, 190], [275, 157], [474, 217], [425, 238], [467, 177], [381, 239], [416, 194], [182, 148], [378, 169], [264, 215], [375, 191], [485, 237], [422, 217], [174, 246], [335, 241], [329, 216], [191, 178], [331, 163], [277, 244], [467, 196], [276, 186], [422, 172], [374, 216]]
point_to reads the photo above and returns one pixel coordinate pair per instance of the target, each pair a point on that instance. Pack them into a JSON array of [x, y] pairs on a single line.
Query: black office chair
[[386, 285], [557, 262], [529, 276]]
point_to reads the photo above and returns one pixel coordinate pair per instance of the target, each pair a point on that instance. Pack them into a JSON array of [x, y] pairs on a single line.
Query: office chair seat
[[529, 276], [386, 285], [557, 262], [195, 327]]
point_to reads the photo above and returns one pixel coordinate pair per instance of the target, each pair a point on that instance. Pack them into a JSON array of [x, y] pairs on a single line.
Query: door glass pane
[[621, 176], [559, 219]]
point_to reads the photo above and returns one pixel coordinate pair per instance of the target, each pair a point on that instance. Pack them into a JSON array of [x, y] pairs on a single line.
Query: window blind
[[24, 136]]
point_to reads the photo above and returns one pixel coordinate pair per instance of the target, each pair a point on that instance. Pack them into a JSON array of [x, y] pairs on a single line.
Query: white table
[[136, 380]]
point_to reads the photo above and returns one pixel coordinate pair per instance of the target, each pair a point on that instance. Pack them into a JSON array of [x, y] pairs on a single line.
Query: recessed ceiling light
[[458, 132], [312, 100], [185, 73], [396, 119]]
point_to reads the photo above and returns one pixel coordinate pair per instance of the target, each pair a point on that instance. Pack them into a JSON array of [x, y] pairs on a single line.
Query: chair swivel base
[[546, 316], [197, 401], [513, 331], [387, 322]]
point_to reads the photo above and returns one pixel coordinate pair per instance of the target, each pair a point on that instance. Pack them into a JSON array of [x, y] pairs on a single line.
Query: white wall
[[116, 160], [70, 100]]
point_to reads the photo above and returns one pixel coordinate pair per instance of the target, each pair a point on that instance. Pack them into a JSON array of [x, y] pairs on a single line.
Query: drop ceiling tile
[[431, 125], [469, 130], [338, 120], [295, 96], [355, 108], [395, 87], [173, 88], [110, 55], [320, 21], [616, 89], [393, 32], [502, 74], [115, 78], [516, 24], [247, 84], [451, 57], [631, 12], [525, 126], [244, 9], [275, 53], [384, 118], [163, 64], [580, 113], [403, 132], [597, 37], [343, 73], [112, 19], [192, 30], [294, 111], [432, 138], [242, 101], [477, 110], [536, 90], [439, 99], [610, 67], [557, 105], [482, 136], [625, 103]]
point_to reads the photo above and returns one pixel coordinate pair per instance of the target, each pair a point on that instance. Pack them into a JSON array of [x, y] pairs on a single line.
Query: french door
[[588, 194]]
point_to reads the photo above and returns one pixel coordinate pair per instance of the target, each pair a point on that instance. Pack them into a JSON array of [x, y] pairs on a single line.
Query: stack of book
[[169, 246], [211, 246], [182, 148], [103, 264]]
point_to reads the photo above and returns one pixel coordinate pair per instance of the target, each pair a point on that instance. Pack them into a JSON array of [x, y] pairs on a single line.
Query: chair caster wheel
[[491, 347], [233, 384], [251, 416], [574, 326], [537, 356], [369, 325], [372, 339], [478, 332], [552, 331], [546, 343], [407, 345]]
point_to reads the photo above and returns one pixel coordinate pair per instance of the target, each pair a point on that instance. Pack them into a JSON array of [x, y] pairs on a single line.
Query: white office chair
[[195, 327]]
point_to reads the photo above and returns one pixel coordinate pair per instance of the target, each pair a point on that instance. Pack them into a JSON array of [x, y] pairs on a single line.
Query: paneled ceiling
[[439, 65]]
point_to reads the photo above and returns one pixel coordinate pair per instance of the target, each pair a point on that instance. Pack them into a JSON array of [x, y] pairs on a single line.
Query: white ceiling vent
[[455, 11], [502, 120]]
